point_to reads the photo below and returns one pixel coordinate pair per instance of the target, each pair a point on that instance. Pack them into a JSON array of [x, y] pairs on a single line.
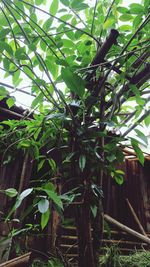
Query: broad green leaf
[[66, 17], [108, 23], [10, 102], [138, 151], [119, 179], [126, 17], [38, 2], [78, 5], [32, 47], [52, 164], [142, 136], [125, 28], [119, 172], [45, 218], [54, 197], [73, 81], [111, 158], [65, 2], [24, 144], [43, 205], [3, 91], [4, 32], [122, 9], [147, 121], [82, 162], [37, 100], [19, 200], [40, 165], [47, 24], [16, 78], [6, 47], [137, 21], [20, 53], [6, 64], [11, 192], [94, 211], [54, 7], [136, 8]]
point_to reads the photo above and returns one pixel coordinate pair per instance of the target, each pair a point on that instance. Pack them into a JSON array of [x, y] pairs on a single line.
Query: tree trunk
[[85, 243]]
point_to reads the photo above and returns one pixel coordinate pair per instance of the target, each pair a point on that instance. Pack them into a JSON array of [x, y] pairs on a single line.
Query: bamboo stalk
[[136, 218], [21, 261], [126, 229]]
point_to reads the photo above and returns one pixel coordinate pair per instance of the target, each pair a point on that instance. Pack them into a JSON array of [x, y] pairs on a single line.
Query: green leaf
[[11, 192], [43, 205], [65, 2], [6, 64], [45, 218], [3, 91], [19, 200], [54, 7], [52, 164], [78, 5], [108, 23], [147, 120], [122, 9], [20, 53], [125, 17], [38, 2], [54, 197], [40, 165], [82, 162], [136, 8], [24, 144], [73, 81], [4, 32], [142, 136], [47, 24], [6, 47], [138, 151], [119, 179], [125, 28], [137, 21], [111, 158], [10, 102], [94, 210], [37, 100], [32, 47]]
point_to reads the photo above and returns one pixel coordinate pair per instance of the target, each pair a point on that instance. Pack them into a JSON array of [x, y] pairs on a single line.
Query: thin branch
[[108, 62], [76, 14], [146, 114], [92, 27], [14, 37], [39, 36], [62, 21], [48, 36], [133, 36], [121, 53], [17, 89], [37, 55], [108, 13]]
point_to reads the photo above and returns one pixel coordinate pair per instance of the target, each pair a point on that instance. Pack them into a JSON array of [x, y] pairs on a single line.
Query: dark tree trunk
[[83, 218]]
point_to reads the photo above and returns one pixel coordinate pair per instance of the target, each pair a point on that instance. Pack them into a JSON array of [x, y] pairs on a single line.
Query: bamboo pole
[[136, 218], [126, 229], [21, 261]]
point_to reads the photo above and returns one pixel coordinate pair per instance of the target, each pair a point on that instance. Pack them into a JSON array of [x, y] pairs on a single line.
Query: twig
[[66, 23], [92, 28]]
